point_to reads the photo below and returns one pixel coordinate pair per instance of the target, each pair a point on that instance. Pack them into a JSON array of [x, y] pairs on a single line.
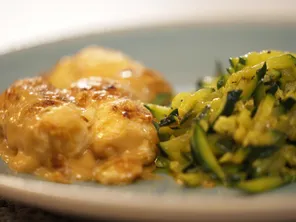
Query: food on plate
[[237, 130], [92, 130], [101, 116], [145, 84]]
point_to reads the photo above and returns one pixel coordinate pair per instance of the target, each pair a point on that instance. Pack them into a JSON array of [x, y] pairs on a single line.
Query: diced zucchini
[[187, 105], [220, 144], [162, 162], [171, 118], [230, 70], [226, 157], [203, 118], [238, 130], [288, 103], [179, 98], [240, 155], [263, 89], [222, 80], [166, 132], [227, 105], [265, 145], [281, 62], [193, 179], [253, 58], [174, 147], [273, 75], [270, 166], [262, 184], [272, 88], [233, 65], [158, 112], [246, 80], [289, 154], [259, 94], [265, 108], [278, 110], [202, 152]]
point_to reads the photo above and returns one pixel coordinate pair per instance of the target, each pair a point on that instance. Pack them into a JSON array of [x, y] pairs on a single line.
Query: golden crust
[[144, 84], [53, 132]]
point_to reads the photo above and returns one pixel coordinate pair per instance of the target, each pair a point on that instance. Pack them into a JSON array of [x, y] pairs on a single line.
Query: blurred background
[[34, 21], [191, 34]]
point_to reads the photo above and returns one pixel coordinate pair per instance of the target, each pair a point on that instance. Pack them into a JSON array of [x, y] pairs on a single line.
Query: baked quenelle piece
[[92, 130], [145, 84]]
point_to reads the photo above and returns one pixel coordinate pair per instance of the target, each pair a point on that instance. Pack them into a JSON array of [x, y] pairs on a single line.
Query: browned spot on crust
[[84, 119], [125, 114], [59, 139], [58, 161], [115, 108]]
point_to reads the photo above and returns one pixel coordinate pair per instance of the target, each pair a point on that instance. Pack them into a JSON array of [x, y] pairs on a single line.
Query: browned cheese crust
[[144, 83], [91, 131]]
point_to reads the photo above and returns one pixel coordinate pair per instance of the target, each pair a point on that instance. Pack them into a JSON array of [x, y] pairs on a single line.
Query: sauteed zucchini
[[238, 129]]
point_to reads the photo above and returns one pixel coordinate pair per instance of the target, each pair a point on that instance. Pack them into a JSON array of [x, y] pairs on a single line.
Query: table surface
[[31, 22], [16, 212]]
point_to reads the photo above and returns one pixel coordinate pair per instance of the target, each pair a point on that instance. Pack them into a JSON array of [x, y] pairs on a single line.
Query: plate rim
[[33, 192]]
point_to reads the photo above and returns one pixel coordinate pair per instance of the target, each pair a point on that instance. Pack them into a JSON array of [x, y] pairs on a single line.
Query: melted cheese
[[88, 132]]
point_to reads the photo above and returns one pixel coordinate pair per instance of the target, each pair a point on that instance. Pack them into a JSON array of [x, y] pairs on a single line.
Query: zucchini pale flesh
[[238, 129], [202, 152]]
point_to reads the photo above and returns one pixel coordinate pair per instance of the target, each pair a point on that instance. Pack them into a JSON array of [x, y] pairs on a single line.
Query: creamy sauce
[[83, 168]]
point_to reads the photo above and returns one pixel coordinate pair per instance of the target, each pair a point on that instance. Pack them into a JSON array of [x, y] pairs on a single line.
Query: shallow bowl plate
[[183, 54]]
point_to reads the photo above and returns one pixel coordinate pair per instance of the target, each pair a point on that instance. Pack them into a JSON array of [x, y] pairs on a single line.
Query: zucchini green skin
[[162, 162], [263, 89], [202, 152], [265, 107], [173, 148], [171, 118], [161, 136], [158, 112], [252, 58], [262, 184], [253, 84], [288, 103], [220, 144], [222, 80], [273, 87], [262, 151], [189, 115], [259, 94], [231, 99], [227, 108], [253, 152], [261, 72], [274, 74], [238, 156], [246, 80]]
